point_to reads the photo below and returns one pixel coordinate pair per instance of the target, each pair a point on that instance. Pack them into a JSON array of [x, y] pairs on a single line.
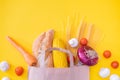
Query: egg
[[114, 77], [4, 66], [104, 72], [73, 42], [5, 78]]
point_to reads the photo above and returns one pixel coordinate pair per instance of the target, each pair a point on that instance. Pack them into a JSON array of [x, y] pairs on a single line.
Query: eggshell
[[4, 66], [114, 77], [5, 78], [73, 42], [104, 72]]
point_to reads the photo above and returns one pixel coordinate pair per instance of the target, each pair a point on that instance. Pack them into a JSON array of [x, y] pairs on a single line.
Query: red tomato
[[115, 64], [83, 41], [107, 54], [19, 70], [68, 59]]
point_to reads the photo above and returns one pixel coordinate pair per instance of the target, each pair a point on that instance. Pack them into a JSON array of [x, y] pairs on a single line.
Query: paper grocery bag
[[70, 73]]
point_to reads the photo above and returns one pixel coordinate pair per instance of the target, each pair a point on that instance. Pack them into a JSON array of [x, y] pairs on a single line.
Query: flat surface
[[24, 20]]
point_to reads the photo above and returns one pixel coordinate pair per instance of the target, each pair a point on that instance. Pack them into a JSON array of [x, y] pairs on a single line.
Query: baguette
[[42, 43]]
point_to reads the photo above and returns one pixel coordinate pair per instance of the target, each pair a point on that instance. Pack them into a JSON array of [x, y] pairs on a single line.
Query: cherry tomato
[[107, 54], [83, 41], [68, 59], [115, 64], [19, 70]]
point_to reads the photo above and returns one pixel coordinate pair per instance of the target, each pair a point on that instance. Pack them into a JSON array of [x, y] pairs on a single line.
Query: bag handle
[[65, 51]]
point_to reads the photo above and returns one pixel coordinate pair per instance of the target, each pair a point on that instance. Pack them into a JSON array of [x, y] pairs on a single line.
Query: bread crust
[[43, 42]]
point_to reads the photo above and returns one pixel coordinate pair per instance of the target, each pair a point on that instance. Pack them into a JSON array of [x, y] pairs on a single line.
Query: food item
[[89, 31], [114, 77], [38, 43], [68, 30], [42, 43], [73, 42], [81, 28], [107, 54], [30, 59], [87, 55], [68, 59], [64, 51], [59, 58], [19, 70], [104, 72], [115, 64], [4, 66], [5, 78], [83, 41]]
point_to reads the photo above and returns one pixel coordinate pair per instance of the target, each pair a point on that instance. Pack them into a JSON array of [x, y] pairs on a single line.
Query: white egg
[[4, 66], [114, 77], [5, 78], [73, 42], [104, 72]]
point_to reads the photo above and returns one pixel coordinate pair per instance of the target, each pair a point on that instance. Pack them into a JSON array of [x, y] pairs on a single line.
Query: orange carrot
[[31, 60]]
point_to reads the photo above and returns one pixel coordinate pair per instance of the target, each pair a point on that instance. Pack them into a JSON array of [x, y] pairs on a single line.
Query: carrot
[[31, 60]]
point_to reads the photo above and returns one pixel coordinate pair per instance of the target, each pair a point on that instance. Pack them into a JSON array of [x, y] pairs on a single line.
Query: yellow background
[[24, 20]]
